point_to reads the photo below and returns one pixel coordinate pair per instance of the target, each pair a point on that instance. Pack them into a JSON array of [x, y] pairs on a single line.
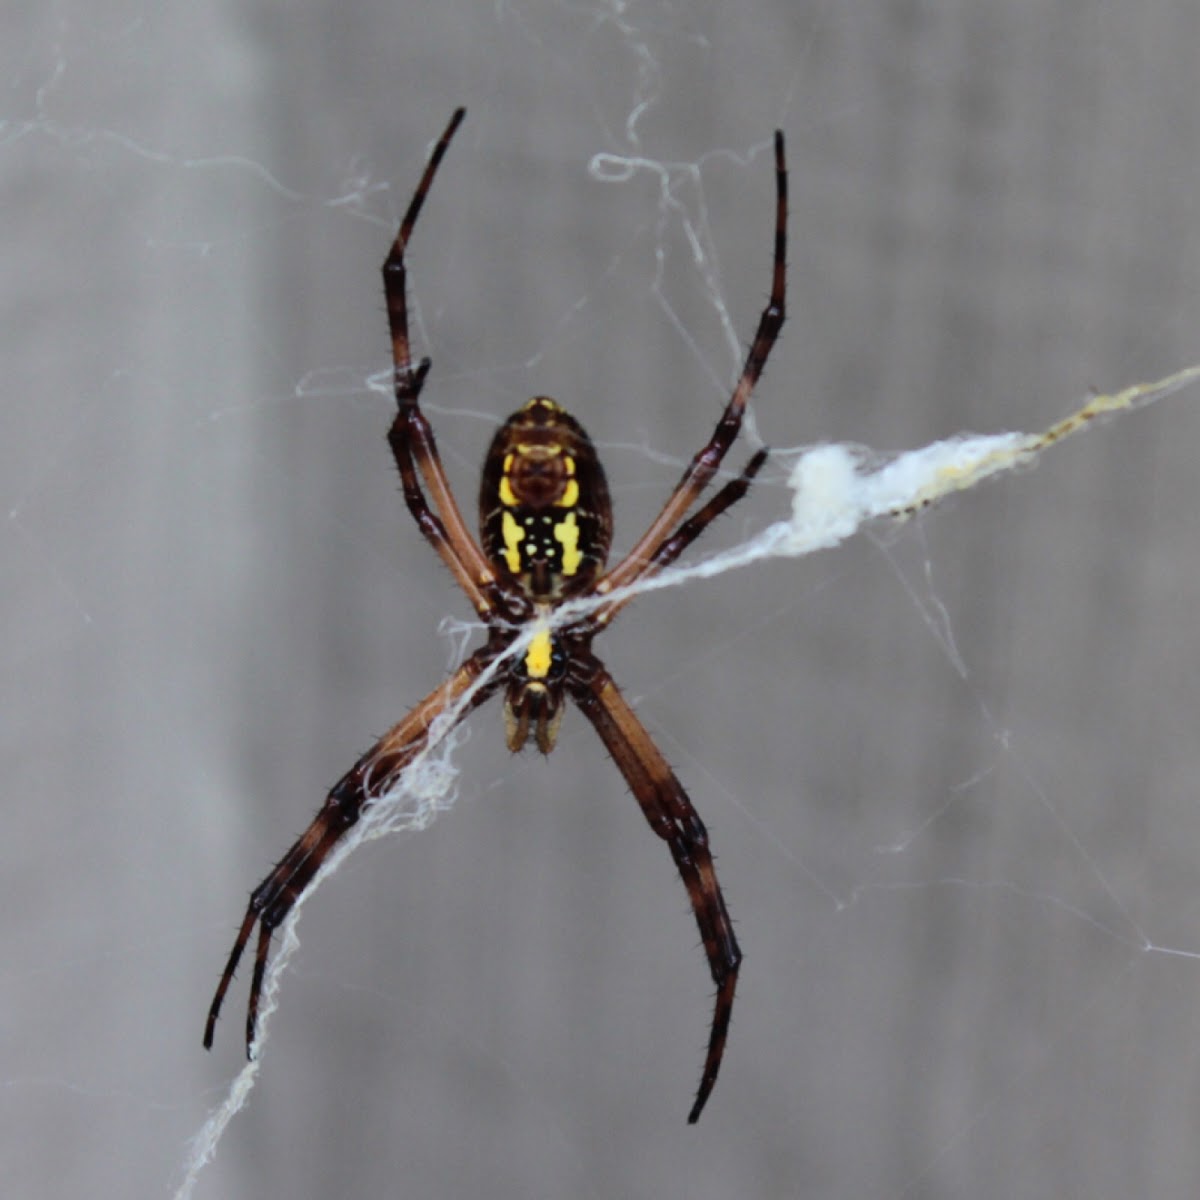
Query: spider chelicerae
[[546, 525]]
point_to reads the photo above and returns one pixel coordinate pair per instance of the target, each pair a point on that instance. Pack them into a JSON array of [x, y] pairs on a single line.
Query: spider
[[546, 525]]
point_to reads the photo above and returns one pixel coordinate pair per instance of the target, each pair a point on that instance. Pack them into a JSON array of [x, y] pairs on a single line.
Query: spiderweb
[[837, 489], [947, 767]]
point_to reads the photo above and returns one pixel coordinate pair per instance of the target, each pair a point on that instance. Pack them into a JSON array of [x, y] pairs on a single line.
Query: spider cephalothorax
[[546, 527]]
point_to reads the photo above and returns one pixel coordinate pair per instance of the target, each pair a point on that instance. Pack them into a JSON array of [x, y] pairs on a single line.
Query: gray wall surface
[[950, 771]]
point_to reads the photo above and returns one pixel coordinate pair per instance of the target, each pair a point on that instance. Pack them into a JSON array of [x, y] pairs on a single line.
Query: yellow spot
[[566, 533], [506, 493], [513, 535], [537, 658]]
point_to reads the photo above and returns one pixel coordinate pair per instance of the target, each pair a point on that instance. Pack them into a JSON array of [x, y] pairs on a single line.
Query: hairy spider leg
[[673, 546], [375, 773], [411, 436], [707, 461], [670, 813]]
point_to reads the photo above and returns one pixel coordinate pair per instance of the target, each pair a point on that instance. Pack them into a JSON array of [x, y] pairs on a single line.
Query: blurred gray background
[[951, 771]]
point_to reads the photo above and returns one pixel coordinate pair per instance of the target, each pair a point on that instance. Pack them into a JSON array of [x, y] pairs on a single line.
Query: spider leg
[[411, 439], [705, 464], [673, 546], [395, 274], [411, 436], [372, 776], [671, 815]]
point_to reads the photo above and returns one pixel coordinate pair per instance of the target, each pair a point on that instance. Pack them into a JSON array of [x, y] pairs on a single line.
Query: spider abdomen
[[544, 512]]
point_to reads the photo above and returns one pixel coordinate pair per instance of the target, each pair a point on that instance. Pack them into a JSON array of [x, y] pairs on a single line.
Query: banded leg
[[705, 464], [372, 776], [687, 533], [671, 815], [395, 274], [411, 436], [454, 545]]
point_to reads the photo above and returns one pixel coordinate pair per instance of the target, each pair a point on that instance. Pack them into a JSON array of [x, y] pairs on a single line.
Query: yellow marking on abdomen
[[513, 536], [507, 496], [566, 533]]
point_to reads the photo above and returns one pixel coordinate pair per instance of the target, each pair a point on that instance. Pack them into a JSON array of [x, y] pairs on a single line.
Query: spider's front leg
[[671, 815], [411, 436], [375, 773], [708, 460]]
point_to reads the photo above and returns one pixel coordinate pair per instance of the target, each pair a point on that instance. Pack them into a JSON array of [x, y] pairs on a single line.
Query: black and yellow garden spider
[[546, 525]]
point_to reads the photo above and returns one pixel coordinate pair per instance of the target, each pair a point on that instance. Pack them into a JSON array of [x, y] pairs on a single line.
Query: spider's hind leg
[[374, 775], [274, 898], [670, 813]]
